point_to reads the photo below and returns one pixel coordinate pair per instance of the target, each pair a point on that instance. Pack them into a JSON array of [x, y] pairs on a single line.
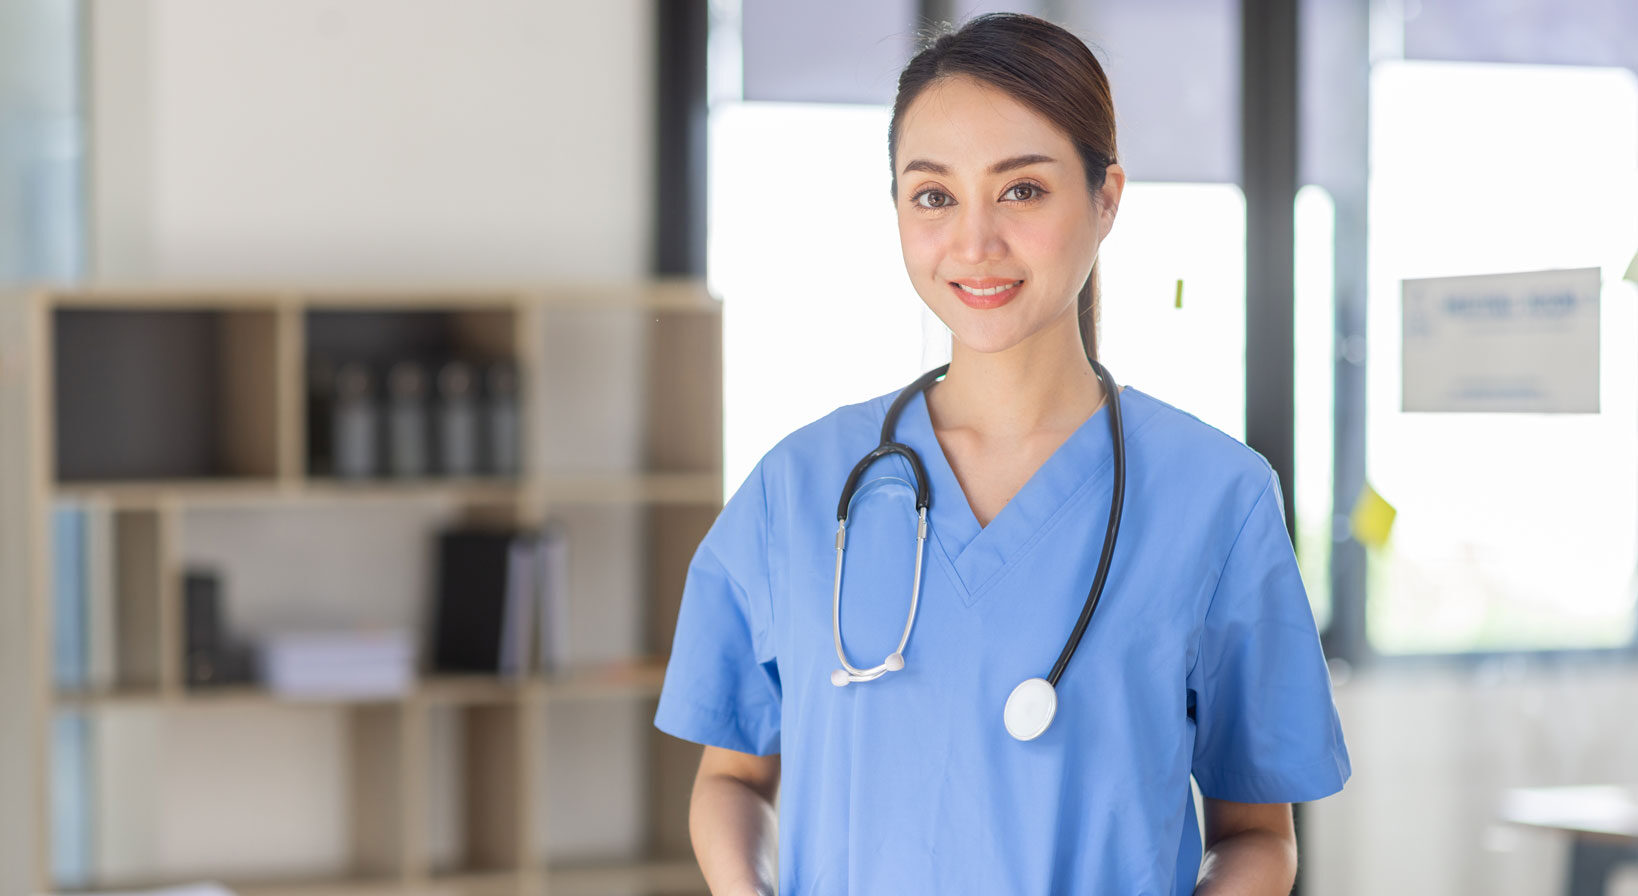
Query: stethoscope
[[1034, 702]]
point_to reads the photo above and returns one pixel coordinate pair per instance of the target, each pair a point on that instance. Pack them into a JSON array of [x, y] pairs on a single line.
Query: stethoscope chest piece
[[1030, 709]]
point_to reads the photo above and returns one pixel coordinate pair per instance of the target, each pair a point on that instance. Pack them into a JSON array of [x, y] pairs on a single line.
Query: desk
[[1602, 823]]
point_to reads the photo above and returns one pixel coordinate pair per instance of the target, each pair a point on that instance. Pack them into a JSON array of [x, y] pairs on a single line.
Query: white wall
[[334, 141], [1433, 752], [371, 138]]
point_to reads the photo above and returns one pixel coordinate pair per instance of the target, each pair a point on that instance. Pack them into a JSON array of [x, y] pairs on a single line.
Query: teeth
[[992, 290]]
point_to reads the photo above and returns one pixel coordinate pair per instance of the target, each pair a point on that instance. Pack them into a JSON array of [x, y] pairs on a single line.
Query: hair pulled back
[[1046, 68]]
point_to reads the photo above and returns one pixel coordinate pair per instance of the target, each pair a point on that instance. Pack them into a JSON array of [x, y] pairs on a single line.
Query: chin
[[988, 339]]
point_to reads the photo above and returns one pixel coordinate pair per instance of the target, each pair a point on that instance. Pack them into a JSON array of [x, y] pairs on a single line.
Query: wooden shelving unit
[[219, 424]]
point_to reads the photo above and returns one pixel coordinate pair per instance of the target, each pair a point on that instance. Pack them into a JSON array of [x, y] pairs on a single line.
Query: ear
[[1114, 182]]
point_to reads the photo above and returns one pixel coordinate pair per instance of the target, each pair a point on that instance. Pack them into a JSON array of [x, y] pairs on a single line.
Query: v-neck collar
[[975, 556]]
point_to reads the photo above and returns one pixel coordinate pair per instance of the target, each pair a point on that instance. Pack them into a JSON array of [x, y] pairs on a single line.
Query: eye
[[932, 199], [1023, 192]]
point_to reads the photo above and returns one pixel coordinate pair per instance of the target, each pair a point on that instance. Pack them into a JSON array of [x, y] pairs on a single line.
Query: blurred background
[[314, 309]]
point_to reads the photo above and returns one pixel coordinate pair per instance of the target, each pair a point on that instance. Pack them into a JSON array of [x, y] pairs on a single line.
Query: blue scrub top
[[1202, 659]]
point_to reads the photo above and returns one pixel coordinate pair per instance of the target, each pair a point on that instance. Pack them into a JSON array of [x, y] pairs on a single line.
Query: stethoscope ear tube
[[1117, 500]]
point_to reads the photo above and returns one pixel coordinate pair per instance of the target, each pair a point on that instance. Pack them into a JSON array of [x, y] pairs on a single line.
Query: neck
[[1044, 382]]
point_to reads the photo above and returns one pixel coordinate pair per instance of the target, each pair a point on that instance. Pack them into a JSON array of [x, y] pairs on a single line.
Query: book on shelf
[[501, 603]]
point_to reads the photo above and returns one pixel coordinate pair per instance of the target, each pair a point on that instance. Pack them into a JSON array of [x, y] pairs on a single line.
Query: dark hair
[[1047, 69]]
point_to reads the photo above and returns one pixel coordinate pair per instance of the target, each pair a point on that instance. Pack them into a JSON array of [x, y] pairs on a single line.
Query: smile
[[994, 290], [986, 293]]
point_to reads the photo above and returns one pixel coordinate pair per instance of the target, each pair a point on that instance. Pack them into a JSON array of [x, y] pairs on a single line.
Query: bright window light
[[804, 251], [1514, 531]]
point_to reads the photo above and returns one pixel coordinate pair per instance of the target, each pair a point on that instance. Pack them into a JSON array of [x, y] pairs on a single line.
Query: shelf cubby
[[362, 343], [159, 393]]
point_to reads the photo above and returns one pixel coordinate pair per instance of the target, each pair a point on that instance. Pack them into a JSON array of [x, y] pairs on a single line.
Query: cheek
[[920, 246], [1063, 245]]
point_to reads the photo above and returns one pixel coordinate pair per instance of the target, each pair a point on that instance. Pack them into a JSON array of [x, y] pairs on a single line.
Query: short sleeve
[[1267, 729], [721, 684]]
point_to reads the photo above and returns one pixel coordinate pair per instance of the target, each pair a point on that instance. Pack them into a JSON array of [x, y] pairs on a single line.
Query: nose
[[977, 235]]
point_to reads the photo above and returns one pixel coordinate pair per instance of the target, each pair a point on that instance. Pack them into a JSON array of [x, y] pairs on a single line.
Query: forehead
[[964, 123]]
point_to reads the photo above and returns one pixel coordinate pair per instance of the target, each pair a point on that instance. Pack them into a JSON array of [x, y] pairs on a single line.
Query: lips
[[985, 292]]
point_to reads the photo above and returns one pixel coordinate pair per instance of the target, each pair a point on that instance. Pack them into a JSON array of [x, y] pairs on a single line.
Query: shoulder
[[1183, 450], [812, 461], [847, 432]]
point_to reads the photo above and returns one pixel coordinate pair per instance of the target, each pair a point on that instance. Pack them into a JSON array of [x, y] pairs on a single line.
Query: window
[[804, 251], [1514, 531]]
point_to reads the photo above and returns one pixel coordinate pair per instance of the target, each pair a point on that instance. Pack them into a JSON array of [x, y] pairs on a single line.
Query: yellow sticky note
[[1632, 270], [1180, 289], [1372, 518]]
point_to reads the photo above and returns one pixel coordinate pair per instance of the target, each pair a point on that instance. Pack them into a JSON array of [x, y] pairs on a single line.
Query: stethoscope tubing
[[1117, 501], [887, 446]]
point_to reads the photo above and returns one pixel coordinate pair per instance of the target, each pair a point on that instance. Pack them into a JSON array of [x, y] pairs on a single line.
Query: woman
[[936, 771]]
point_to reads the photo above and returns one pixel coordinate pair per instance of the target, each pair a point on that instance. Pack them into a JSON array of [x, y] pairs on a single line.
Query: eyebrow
[[1000, 167]]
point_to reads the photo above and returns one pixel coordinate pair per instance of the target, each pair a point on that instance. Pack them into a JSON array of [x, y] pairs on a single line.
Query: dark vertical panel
[[681, 29], [1269, 178], [1335, 148], [1268, 138], [932, 11]]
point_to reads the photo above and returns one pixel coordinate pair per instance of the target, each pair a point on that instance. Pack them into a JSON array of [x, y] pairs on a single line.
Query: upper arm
[[1266, 727], [722, 679], [1225, 818], [760, 773]]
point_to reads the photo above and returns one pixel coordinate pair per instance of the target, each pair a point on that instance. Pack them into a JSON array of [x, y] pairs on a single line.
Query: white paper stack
[[339, 664]]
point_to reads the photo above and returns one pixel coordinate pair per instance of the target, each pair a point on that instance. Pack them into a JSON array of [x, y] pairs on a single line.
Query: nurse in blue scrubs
[[1201, 656]]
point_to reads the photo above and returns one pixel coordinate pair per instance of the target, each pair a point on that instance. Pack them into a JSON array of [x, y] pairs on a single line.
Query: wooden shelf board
[[571, 879], [227, 696], [466, 489], [633, 488], [563, 488], [616, 681], [337, 886], [139, 493], [470, 689], [663, 876], [461, 299], [666, 295], [673, 294], [230, 492], [359, 886], [470, 883], [119, 696], [162, 298]]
